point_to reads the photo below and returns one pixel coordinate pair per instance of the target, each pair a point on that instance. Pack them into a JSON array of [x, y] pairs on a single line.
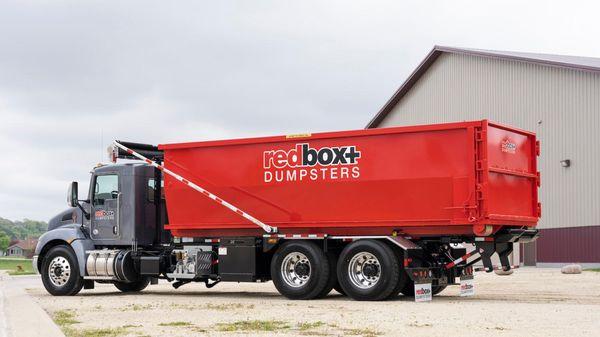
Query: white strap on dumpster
[[264, 226]]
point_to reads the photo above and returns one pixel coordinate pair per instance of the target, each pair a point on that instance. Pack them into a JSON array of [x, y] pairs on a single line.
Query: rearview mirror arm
[[86, 214]]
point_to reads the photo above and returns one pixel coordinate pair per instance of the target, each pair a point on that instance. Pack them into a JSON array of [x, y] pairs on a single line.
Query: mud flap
[[423, 292], [467, 285]]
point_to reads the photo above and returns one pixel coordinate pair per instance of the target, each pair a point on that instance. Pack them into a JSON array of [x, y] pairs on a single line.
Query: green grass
[[104, 332], [362, 332], [16, 266], [228, 306], [137, 307], [254, 325], [178, 323], [597, 270], [65, 319], [308, 325]]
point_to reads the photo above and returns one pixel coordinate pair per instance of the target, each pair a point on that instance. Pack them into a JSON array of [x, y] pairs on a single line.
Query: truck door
[[106, 201]]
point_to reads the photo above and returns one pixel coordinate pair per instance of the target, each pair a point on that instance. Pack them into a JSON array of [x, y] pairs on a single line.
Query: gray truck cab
[[119, 212], [121, 205]]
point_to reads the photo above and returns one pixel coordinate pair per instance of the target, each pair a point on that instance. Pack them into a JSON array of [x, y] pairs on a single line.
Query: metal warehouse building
[[558, 97]]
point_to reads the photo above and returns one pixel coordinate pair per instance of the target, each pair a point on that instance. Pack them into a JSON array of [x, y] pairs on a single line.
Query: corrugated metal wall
[[551, 247], [561, 105]]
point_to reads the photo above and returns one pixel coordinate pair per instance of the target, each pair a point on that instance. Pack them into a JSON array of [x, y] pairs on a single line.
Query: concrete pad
[[20, 315], [532, 302]]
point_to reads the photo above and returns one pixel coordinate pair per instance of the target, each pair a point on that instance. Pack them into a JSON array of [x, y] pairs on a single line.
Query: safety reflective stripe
[[264, 226], [487, 239], [296, 236], [460, 259]]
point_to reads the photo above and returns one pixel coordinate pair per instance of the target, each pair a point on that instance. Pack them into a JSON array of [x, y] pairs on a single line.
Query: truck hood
[[64, 218]]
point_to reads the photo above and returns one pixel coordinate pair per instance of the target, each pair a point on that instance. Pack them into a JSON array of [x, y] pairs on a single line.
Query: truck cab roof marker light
[[264, 226]]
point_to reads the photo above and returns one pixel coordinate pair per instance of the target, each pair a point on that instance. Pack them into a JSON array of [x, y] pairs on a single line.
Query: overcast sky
[[75, 75]]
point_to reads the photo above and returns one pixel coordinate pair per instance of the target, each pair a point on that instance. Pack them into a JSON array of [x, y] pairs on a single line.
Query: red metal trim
[[513, 172], [511, 128], [415, 232], [323, 135], [512, 217]]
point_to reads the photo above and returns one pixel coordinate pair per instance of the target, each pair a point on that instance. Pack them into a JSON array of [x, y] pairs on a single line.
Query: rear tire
[[409, 289], [368, 270], [133, 287], [332, 260], [60, 272], [402, 280], [300, 270]]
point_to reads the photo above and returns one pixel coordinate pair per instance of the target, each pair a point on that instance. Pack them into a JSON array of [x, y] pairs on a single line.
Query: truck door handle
[[118, 226]]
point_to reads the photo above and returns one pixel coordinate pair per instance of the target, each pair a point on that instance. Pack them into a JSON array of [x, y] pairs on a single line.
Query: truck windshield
[[107, 187]]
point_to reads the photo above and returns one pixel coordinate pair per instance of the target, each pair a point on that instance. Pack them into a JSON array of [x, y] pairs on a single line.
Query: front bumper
[[34, 262]]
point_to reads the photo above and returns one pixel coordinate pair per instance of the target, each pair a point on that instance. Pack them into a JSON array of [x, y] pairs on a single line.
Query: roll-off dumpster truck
[[372, 213]]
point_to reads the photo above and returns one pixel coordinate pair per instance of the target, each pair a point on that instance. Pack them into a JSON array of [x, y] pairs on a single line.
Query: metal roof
[[564, 61]]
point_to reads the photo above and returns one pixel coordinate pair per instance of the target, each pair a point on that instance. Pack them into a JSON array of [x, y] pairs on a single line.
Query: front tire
[[60, 272], [133, 287], [300, 270], [368, 270]]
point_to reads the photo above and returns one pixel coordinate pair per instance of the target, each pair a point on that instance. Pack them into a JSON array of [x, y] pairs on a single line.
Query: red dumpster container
[[468, 178]]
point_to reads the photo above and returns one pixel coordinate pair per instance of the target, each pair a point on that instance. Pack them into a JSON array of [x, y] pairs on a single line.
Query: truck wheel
[[332, 259], [402, 281], [133, 287], [60, 272], [368, 270], [300, 270]]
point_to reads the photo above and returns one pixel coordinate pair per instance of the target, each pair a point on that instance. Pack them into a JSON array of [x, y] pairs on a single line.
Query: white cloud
[[76, 75]]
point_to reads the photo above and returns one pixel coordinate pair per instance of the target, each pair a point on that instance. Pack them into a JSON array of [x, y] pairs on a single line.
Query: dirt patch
[[531, 302]]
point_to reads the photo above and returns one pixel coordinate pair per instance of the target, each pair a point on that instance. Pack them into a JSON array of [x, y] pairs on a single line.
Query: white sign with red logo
[[104, 215], [303, 162], [467, 287], [423, 292]]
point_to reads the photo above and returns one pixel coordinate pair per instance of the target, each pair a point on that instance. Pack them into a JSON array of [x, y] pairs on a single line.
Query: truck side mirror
[[73, 195]]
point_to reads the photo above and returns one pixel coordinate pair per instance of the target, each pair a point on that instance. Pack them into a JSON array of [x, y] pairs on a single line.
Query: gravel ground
[[531, 302]]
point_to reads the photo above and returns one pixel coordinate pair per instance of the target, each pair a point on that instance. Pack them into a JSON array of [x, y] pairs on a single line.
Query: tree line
[[19, 230]]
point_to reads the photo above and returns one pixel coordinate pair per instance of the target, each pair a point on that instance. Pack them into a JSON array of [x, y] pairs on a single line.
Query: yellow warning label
[[298, 135]]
